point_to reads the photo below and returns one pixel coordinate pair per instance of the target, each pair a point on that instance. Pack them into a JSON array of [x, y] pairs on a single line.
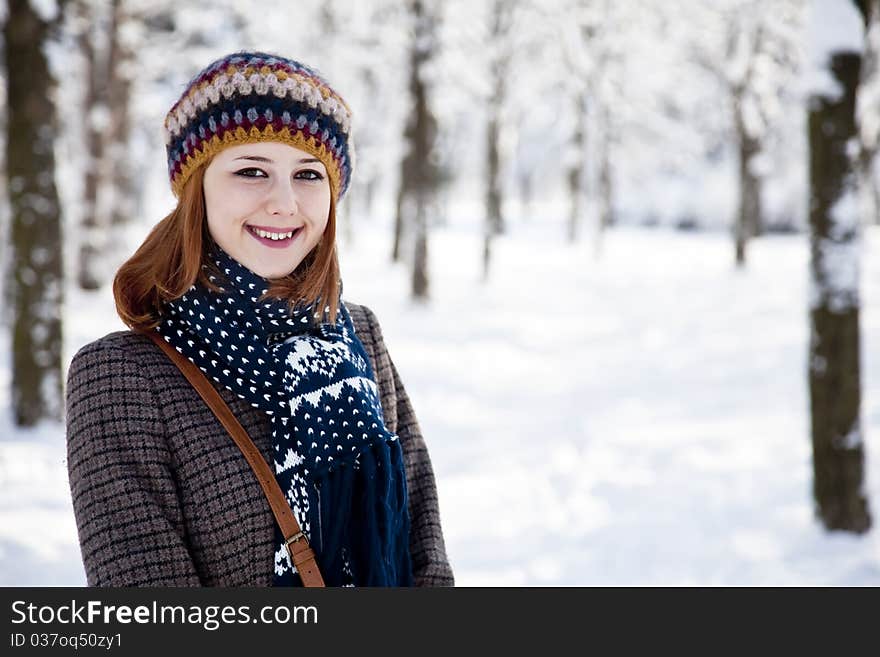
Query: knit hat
[[248, 97]]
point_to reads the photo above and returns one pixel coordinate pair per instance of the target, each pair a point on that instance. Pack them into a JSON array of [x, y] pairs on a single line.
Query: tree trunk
[[418, 173], [493, 173], [423, 146], [35, 271], [526, 194], [748, 216], [875, 189], [487, 253], [499, 67], [93, 227], [500, 21], [834, 376], [117, 154], [4, 200], [577, 171], [400, 218], [493, 222], [420, 280], [605, 182]]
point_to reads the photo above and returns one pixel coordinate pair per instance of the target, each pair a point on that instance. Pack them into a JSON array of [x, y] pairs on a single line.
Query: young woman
[[242, 278]]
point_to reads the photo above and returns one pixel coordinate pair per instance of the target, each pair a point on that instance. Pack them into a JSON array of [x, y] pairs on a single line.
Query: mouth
[[277, 238]]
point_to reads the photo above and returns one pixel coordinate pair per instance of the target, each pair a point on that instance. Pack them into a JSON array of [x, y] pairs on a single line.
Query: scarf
[[341, 469]]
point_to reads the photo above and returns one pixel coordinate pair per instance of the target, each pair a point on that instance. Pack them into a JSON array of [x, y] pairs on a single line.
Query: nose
[[282, 200]]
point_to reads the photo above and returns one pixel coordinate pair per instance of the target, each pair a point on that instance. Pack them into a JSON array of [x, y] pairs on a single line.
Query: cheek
[[227, 206], [219, 217], [319, 207]]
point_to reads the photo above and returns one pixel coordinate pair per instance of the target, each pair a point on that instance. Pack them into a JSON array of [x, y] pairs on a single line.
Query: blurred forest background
[[744, 122]]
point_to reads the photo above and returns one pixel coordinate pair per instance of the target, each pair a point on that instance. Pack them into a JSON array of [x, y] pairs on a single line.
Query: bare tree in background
[[4, 203], [104, 35], [90, 30], [579, 29], [35, 267], [604, 83], [419, 178], [869, 117], [577, 174], [590, 50], [117, 165], [754, 63], [748, 221], [834, 364], [499, 49]]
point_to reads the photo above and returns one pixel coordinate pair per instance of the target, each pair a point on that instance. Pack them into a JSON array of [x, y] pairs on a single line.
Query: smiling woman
[[242, 280], [268, 205]]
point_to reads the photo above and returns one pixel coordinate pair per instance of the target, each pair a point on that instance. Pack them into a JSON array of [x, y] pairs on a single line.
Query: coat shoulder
[[126, 345]]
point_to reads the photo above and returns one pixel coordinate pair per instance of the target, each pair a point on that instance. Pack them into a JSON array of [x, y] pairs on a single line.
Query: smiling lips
[[274, 237]]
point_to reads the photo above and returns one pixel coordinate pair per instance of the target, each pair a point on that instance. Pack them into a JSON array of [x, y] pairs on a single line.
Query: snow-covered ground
[[636, 419]]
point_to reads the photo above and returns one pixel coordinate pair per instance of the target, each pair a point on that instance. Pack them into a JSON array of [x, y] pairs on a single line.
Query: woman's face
[[271, 187]]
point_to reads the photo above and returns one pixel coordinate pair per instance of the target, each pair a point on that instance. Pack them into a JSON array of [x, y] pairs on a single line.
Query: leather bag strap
[[301, 553]]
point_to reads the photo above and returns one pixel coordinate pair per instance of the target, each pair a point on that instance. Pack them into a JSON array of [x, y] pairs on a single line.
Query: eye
[[313, 175], [251, 172]]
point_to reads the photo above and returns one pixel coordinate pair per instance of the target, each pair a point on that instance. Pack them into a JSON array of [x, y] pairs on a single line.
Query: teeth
[[273, 236]]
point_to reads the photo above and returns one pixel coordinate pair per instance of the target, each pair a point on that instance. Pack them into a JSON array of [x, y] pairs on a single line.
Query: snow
[[839, 257], [853, 439], [834, 26], [47, 10], [640, 419]]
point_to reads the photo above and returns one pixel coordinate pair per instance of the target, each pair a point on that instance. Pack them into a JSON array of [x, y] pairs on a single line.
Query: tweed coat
[[163, 496]]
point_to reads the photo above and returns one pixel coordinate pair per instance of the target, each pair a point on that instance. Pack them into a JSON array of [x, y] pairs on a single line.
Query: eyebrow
[[259, 158]]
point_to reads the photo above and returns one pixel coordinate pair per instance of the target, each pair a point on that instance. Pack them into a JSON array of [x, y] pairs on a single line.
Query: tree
[[35, 254], [577, 178], [869, 117], [834, 372], [419, 176], [499, 48], [753, 63], [91, 30], [579, 29], [117, 156], [592, 34]]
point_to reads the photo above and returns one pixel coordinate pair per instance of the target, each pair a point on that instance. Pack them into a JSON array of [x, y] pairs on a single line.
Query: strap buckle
[[293, 539]]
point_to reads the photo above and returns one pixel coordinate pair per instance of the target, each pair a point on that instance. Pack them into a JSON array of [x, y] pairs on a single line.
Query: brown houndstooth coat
[[163, 496]]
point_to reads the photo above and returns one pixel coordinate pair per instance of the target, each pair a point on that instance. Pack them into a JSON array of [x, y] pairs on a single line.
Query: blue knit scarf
[[339, 466]]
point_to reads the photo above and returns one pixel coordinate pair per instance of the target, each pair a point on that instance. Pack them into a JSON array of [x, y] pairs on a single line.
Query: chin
[[274, 273]]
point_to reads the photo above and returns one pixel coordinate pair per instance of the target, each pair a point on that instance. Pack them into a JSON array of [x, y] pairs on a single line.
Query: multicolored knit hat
[[247, 97]]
